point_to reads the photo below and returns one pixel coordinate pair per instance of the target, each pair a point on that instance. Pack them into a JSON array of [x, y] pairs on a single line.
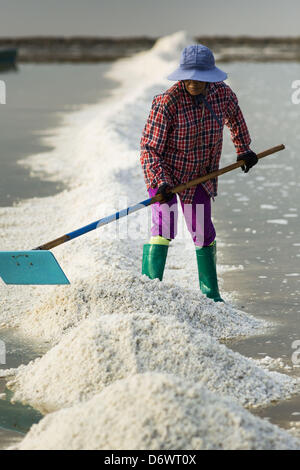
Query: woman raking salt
[[182, 140]]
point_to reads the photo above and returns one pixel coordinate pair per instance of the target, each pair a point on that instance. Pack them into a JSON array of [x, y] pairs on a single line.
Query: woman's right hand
[[164, 190]]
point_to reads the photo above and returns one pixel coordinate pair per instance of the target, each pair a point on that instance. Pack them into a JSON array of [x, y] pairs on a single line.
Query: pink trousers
[[197, 218]]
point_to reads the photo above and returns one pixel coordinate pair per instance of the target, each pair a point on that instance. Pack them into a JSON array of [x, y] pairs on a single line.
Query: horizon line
[[147, 37]]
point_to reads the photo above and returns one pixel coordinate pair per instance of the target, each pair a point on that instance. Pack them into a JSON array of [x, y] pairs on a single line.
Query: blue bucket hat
[[197, 62]]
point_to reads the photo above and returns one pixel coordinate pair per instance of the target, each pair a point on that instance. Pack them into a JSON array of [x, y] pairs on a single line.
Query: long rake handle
[[148, 202], [226, 169]]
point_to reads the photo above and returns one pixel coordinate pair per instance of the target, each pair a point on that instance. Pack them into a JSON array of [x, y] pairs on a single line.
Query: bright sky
[[149, 17]]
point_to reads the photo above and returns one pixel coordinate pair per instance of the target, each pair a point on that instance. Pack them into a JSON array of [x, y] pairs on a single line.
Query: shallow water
[[36, 95], [257, 217], [16, 419]]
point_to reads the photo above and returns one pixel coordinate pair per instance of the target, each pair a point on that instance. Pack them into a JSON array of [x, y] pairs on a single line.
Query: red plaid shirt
[[182, 140]]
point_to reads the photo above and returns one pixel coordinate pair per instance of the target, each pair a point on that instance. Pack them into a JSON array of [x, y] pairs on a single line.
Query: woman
[[182, 140]]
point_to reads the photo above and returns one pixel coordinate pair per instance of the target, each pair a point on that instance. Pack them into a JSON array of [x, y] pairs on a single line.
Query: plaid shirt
[[182, 140]]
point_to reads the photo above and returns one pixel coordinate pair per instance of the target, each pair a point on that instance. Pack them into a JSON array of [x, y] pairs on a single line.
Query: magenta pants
[[197, 218]]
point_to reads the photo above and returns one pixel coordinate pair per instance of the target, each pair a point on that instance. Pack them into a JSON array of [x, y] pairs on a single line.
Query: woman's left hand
[[250, 159]]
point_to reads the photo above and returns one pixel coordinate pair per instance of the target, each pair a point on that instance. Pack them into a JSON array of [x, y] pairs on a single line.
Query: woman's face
[[194, 87]]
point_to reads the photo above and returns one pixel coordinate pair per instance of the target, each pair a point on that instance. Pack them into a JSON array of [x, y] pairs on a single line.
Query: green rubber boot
[[207, 271], [154, 260]]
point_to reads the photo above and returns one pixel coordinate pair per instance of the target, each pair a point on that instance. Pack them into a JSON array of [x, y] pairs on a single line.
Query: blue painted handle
[[109, 219], [94, 225]]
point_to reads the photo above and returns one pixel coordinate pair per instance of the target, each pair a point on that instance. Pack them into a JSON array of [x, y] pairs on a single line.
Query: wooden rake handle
[[226, 169]]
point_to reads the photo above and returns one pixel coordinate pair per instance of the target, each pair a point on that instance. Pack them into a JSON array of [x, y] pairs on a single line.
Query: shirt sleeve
[[153, 143], [235, 121]]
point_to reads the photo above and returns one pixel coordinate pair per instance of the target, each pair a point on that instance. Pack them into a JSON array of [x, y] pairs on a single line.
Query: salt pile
[[157, 412], [101, 351], [123, 291]]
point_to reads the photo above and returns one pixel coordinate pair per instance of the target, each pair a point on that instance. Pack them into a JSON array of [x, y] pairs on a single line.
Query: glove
[[250, 159], [164, 191]]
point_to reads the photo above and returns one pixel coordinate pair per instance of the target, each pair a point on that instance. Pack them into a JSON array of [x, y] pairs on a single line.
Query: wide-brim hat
[[197, 62]]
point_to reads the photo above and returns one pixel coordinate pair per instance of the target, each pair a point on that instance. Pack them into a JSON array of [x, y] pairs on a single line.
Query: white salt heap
[[101, 351], [112, 323], [122, 291], [156, 411]]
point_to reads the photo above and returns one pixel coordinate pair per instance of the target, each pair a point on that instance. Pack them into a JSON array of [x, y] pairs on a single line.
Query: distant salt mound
[[151, 67], [156, 412], [101, 351], [169, 47], [118, 291]]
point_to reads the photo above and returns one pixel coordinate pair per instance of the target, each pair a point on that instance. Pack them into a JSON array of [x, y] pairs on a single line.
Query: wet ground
[[257, 220]]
